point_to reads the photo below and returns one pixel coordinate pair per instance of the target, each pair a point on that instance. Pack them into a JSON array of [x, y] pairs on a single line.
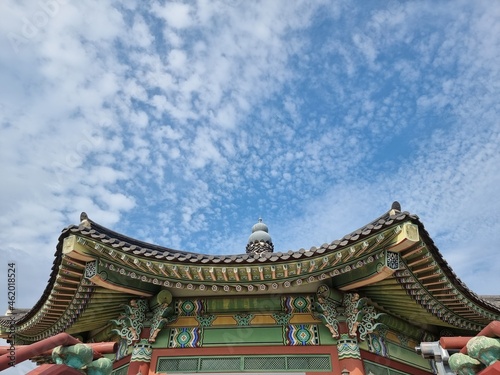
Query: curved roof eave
[[140, 249]]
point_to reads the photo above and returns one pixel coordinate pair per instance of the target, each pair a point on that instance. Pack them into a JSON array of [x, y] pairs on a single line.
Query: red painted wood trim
[[353, 365], [37, 348], [392, 364], [54, 370], [123, 361], [454, 342], [138, 368], [491, 330], [97, 347], [494, 369], [244, 350]]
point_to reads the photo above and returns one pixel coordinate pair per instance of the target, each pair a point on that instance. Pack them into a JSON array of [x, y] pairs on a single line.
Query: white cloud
[[177, 59], [200, 118], [175, 14]]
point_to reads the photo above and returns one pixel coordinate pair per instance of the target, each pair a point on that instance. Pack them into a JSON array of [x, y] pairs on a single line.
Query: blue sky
[[180, 123]]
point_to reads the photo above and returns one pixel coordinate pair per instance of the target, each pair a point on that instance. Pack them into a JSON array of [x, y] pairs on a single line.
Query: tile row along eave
[[64, 301]]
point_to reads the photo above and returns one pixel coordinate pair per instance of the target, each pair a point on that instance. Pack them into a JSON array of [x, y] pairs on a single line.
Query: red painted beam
[[491, 330], [54, 370], [37, 348], [494, 369], [104, 347], [454, 342], [98, 348]]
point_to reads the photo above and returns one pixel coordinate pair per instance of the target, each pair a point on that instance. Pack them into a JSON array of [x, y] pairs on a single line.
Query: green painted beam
[[265, 303], [243, 336]]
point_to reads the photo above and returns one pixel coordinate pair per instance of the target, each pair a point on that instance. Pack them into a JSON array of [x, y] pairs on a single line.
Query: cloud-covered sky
[[180, 123]]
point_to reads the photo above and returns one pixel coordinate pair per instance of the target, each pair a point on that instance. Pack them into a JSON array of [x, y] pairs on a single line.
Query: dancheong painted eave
[[392, 260]]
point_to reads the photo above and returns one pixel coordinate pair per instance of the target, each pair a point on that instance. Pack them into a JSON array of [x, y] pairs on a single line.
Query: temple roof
[[494, 300], [392, 260]]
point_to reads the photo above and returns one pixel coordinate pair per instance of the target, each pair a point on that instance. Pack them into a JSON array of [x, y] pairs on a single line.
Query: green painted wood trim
[[325, 336], [262, 304], [407, 356], [162, 339], [401, 326], [323, 265], [130, 279], [361, 269], [243, 336]]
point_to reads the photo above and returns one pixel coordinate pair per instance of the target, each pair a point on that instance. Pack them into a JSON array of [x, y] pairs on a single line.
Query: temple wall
[[269, 333]]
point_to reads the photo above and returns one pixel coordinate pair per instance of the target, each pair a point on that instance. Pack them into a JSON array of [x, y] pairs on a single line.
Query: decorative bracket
[[131, 321], [158, 320], [355, 311], [360, 316], [328, 309]]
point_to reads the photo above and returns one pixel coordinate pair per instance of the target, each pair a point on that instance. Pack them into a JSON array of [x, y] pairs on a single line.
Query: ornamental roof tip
[[83, 216], [396, 206], [85, 221], [259, 241]]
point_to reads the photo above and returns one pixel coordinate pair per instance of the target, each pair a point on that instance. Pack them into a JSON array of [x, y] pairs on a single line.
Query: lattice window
[[395, 372], [120, 371], [277, 363], [264, 363], [220, 364], [177, 364], [309, 363], [376, 369]]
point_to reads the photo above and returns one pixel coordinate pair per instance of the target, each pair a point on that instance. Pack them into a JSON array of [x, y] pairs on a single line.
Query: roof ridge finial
[[259, 241], [84, 220], [395, 208]]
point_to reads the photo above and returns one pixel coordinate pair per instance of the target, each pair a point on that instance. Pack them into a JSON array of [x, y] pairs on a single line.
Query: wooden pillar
[[141, 355], [349, 354]]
